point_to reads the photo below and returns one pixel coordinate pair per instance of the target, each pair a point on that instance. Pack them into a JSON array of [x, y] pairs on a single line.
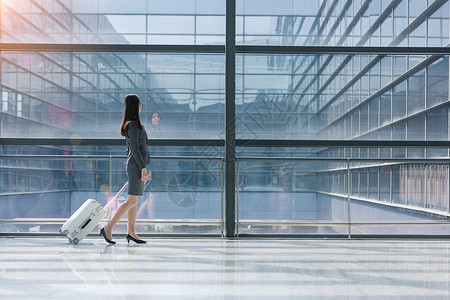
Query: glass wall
[[191, 22], [81, 94], [78, 94], [359, 97], [56, 182], [342, 23]]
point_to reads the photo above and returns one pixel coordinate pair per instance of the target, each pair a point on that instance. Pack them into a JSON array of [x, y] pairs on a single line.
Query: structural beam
[[239, 49], [108, 142], [236, 143], [134, 48], [230, 119]]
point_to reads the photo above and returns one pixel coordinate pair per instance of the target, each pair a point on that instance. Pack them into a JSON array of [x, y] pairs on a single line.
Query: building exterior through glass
[[66, 66]]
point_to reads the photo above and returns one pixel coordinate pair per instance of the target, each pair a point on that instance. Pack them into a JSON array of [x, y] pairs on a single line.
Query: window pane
[[399, 101], [416, 93], [438, 82], [187, 90], [191, 22]]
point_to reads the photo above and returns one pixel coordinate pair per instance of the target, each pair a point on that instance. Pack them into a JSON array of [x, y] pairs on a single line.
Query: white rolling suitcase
[[86, 218]]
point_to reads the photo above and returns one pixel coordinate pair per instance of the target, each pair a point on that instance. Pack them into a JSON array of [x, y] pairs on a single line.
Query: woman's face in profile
[[155, 119]]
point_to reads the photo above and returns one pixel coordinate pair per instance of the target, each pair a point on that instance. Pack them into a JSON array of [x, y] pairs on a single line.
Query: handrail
[[57, 221], [317, 143], [382, 162], [391, 204], [107, 157], [335, 159], [106, 142], [303, 143], [219, 158], [265, 222]]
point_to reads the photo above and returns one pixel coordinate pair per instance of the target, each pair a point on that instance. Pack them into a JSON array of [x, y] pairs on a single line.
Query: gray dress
[[138, 157]]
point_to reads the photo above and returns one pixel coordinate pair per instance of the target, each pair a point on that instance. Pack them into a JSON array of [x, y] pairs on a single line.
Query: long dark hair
[[130, 113]]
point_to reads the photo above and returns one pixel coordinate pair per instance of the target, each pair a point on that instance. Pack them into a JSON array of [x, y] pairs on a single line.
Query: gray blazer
[[137, 150]]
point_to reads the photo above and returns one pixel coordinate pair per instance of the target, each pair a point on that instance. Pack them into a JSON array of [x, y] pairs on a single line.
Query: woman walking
[[138, 157]]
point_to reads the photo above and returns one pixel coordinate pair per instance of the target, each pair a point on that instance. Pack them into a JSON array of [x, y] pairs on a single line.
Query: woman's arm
[[133, 134]]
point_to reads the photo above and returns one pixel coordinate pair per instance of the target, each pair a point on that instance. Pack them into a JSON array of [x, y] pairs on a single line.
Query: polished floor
[[50, 268]]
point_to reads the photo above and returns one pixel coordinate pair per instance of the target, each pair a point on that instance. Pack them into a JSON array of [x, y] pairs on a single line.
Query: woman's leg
[[131, 221], [131, 202]]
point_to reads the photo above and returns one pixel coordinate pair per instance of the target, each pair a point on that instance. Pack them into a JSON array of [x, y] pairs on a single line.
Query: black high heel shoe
[[102, 233], [129, 237]]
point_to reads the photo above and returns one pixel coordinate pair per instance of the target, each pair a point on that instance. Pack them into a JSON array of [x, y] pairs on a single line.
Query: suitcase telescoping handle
[[114, 199]]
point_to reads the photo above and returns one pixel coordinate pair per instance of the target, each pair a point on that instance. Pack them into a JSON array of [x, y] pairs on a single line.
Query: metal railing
[[110, 159], [346, 165]]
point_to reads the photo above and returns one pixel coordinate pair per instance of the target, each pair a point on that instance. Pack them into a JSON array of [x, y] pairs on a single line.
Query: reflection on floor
[[50, 268]]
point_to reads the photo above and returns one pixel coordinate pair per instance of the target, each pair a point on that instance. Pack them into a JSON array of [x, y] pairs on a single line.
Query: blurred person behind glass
[[157, 179]]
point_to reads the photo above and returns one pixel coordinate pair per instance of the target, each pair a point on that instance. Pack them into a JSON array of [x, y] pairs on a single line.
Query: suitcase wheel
[[65, 232], [75, 241]]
